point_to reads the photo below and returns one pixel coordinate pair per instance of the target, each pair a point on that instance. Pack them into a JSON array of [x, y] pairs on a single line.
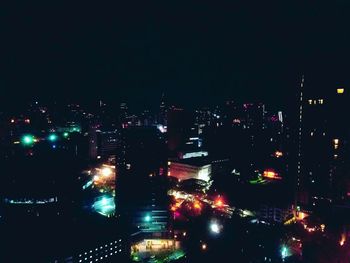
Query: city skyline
[[167, 133], [208, 52]]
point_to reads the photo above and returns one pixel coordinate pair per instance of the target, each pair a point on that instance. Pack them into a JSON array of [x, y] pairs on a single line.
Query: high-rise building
[[179, 128], [142, 184], [323, 147], [102, 142]]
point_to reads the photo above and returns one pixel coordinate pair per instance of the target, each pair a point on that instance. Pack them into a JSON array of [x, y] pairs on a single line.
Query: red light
[[219, 202], [197, 205]]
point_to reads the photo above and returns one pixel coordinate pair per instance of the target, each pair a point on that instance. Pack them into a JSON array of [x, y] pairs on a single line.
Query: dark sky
[[196, 53]]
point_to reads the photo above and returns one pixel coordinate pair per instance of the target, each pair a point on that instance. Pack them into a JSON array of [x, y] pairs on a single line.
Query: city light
[[106, 171], [342, 240], [197, 205], [28, 140], [219, 202], [271, 174], [278, 154], [284, 252], [104, 201], [204, 246], [147, 218], [65, 134], [52, 137], [215, 228], [340, 90]]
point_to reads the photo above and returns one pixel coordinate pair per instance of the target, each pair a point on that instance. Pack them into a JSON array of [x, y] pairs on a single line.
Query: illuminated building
[[102, 142], [192, 168], [192, 154], [323, 146]]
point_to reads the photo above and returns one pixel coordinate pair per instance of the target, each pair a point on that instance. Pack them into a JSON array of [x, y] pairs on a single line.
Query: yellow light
[[340, 90], [342, 240], [197, 205], [106, 171], [278, 154]]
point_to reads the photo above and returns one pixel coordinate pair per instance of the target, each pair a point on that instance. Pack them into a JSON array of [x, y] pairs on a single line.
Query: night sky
[[197, 53]]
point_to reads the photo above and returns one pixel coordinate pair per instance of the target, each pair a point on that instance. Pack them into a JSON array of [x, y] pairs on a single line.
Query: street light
[[215, 228], [52, 137], [147, 218], [27, 139]]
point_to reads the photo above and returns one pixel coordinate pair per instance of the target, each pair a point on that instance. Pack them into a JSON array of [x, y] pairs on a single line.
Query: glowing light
[[271, 174], [96, 178], [301, 215], [342, 239], [106, 171], [278, 154], [340, 90], [204, 246], [219, 202], [197, 205], [27, 120], [323, 226], [147, 218], [12, 121], [215, 228], [284, 252], [104, 201], [28, 139], [52, 137], [65, 134]]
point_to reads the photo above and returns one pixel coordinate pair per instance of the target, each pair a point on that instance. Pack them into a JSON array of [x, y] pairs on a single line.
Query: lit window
[[310, 102], [340, 90], [320, 101]]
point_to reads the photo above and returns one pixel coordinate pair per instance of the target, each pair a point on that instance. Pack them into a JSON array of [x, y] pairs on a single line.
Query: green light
[[65, 134], [284, 252], [147, 218], [52, 137], [27, 139], [75, 129]]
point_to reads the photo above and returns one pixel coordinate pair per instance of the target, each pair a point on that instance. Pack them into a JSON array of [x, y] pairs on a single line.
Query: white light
[[215, 228], [106, 171]]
